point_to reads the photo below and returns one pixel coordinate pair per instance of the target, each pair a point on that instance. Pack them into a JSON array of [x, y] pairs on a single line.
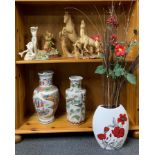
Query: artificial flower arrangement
[[114, 67]]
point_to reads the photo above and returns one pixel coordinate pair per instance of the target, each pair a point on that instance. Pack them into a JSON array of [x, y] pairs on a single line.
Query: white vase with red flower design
[[110, 127]]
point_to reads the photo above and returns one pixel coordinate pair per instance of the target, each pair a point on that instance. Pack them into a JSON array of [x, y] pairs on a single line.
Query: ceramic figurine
[[49, 45], [46, 98], [87, 44], [34, 38], [31, 51], [30, 55], [75, 100], [68, 34]]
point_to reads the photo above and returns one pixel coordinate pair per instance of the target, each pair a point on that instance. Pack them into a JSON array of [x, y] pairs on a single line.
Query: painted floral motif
[[113, 134], [122, 118], [118, 132]]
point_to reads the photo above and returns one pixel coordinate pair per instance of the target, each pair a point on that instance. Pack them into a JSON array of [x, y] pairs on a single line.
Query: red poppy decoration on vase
[[101, 136], [106, 129], [122, 118], [120, 50], [118, 132]]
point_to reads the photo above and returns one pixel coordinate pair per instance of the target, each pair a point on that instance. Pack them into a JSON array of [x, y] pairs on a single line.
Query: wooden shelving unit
[[48, 15]]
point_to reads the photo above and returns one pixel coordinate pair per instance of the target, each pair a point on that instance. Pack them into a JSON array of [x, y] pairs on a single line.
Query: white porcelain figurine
[[34, 38], [30, 55]]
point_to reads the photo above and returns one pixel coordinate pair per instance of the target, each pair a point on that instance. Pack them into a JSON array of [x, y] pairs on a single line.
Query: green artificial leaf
[[112, 48], [111, 73], [118, 70], [132, 44], [120, 58], [131, 78], [100, 69], [122, 42]]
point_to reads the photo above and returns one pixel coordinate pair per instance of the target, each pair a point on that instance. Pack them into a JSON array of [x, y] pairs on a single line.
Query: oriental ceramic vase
[[75, 100], [46, 98], [110, 127]]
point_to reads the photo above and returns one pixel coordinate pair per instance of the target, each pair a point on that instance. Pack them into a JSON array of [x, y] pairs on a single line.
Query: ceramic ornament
[[49, 45], [68, 36], [110, 127], [33, 31], [30, 55], [88, 47], [75, 100], [46, 98], [31, 51]]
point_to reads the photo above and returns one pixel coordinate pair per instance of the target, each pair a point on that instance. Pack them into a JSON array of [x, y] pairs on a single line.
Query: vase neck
[[75, 82], [45, 79]]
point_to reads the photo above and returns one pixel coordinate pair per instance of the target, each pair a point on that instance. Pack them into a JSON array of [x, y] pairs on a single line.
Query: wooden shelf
[[60, 124], [73, 0], [63, 60], [59, 60]]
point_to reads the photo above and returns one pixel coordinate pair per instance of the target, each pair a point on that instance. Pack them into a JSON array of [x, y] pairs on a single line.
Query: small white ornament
[[30, 55], [34, 38]]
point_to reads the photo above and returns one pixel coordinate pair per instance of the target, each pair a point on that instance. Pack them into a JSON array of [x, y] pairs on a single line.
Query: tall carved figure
[[68, 33], [34, 38]]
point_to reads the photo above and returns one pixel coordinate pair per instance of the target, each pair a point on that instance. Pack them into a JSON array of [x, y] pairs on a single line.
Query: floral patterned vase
[[75, 100], [46, 98], [110, 127]]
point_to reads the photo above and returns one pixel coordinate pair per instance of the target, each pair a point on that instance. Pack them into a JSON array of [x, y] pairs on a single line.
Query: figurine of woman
[[34, 38], [30, 55]]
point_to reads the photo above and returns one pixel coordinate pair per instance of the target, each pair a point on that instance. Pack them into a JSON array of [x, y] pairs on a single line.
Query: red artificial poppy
[[120, 50], [122, 118], [112, 20], [106, 129], [118, 132], [113, 39], [96, 37], [101, 136]]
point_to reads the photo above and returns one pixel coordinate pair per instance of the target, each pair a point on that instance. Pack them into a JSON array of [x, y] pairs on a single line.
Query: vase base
[[76, 123], [43, 121]]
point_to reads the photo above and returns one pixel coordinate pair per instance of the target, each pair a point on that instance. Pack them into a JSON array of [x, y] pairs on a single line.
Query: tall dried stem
[[128, 21]]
